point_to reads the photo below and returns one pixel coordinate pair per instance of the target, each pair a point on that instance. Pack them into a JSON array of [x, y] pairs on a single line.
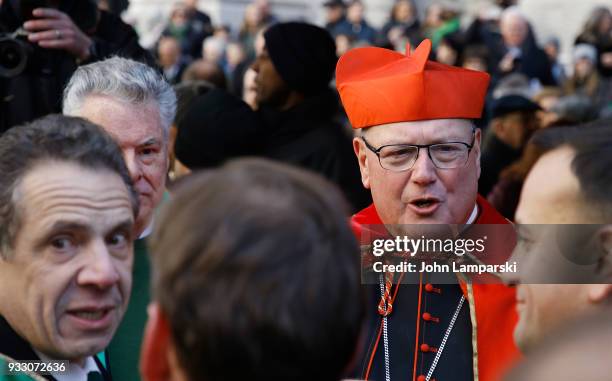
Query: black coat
[[15, 347], [496, 156], [38, 90], [308, 136], [533, 63]]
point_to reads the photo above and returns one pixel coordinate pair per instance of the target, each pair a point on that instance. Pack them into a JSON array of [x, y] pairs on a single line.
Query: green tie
[[94, 376]]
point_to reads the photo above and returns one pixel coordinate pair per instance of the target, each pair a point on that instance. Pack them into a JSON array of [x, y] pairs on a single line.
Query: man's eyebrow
[[67, 225], [126, 224], [72, 226], [452, 138], [150, 142], [440, 140], [61, 226]]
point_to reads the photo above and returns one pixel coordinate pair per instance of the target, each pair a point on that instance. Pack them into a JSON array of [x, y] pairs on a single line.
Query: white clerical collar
[[473, 215], [74, 372], [147, 232]]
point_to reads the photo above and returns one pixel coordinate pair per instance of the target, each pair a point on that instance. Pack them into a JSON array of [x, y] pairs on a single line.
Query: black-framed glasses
[[401, 157]]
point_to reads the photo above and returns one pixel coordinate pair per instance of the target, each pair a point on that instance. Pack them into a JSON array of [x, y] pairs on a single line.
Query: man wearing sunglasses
[[419, 154]]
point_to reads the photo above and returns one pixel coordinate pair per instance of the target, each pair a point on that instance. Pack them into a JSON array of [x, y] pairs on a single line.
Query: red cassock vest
[[491, 309]]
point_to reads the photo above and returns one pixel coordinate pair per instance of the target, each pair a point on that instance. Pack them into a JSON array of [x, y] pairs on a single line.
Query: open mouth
[[424, 206], [92, 318], [424, 203], [90, 315]]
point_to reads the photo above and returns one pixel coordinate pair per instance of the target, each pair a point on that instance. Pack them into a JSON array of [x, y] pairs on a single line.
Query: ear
[[599, 293], [154, 363], [360, 151], [497, 126], [476, 149]]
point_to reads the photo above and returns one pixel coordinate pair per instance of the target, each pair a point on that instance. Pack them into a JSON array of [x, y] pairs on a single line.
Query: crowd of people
[[530, 88], [202, 209]]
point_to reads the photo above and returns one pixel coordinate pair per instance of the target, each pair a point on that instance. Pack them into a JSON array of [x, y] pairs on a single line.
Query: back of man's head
[[208, 71], [256, 273]]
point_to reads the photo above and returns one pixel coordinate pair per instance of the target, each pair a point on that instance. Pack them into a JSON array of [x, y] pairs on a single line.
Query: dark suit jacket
[[15, 347]]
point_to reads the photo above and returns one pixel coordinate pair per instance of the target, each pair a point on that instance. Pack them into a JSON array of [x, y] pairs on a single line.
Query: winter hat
[[303, 54]]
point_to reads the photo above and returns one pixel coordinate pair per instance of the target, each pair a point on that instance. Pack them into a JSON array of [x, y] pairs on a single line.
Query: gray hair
[[216, 43], [513, 11], [123, 79]]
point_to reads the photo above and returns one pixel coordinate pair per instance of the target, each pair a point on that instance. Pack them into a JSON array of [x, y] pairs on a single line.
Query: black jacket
[[533, 63], [496, 155], [15, 347], [308, 136]]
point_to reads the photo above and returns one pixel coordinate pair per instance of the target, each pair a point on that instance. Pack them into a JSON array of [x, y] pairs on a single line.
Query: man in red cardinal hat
[[419, 154]]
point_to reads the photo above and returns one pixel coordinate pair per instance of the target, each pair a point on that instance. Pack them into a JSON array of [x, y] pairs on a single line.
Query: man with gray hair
[[517, 51], [136, 106]]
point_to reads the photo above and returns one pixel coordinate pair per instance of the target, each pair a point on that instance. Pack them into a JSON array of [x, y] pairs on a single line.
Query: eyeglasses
[[401, 157]]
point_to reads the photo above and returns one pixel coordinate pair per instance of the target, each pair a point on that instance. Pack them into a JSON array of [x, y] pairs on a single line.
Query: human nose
[[99, 271], [133, 165], [423, 169], [513, 278]]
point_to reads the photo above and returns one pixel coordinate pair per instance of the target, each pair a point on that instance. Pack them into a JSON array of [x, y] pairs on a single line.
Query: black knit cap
[[303, 54], [334, 3], [217, 127]]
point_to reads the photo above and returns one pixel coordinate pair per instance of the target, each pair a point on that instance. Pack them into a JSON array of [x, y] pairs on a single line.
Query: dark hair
[[591, 164], [475, 51], [393, 11], [590, 29], [202, 70], [257, 270], [186, 92], [54, 137]]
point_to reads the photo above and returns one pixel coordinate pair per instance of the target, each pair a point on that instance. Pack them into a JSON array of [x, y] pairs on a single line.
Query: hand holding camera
[[53, 29]]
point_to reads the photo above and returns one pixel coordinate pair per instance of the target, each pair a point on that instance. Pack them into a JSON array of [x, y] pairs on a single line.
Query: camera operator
[[42, 42]]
